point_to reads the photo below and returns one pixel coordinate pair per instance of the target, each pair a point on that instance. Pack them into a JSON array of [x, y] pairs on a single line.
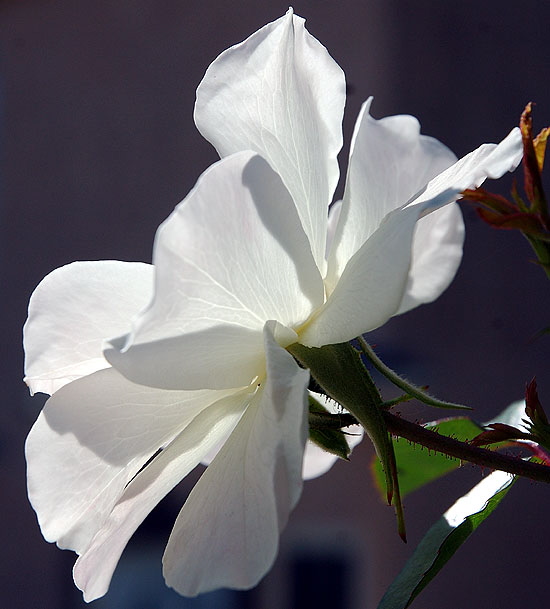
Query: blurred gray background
[[97, 145]]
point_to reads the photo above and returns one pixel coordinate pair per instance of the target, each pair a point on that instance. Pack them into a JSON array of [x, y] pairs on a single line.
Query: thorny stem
[[432, 440], [465, 452]]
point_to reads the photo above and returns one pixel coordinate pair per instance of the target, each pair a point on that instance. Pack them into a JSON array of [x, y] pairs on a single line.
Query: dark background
[[98, 144]]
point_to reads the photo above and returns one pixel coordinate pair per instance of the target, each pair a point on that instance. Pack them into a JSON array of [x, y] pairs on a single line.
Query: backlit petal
[[488, 161], [72, 311], [231, 256], [390, 161], [436, 256], [94, 569], [91, 438], [280, 94], [437, 248], [227, 533], [372, 285]]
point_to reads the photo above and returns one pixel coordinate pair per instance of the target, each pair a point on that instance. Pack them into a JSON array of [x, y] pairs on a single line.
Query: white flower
[[239, 273]]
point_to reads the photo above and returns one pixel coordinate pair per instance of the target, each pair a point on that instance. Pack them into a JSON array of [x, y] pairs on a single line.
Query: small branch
[[327, 420], [465, 452]]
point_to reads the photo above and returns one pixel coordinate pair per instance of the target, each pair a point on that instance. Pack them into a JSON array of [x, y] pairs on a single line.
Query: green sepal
[[323, 433], [412, 391], [339, 371]]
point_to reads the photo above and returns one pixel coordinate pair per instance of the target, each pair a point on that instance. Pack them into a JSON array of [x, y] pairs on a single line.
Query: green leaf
[[445, 537], [416, 466]]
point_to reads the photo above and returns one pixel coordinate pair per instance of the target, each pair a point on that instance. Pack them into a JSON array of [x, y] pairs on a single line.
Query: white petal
[[72, 311], [437, 248], [232, 256], [390, 161], [436, 256], [94, 569], [280, 94], [333, 218], [92, 437], [318, 461], [371, 287], [488, 161], [228, 531]]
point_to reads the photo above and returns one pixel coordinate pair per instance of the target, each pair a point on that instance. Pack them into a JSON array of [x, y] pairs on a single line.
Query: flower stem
[[465, 452], [432, 440]]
